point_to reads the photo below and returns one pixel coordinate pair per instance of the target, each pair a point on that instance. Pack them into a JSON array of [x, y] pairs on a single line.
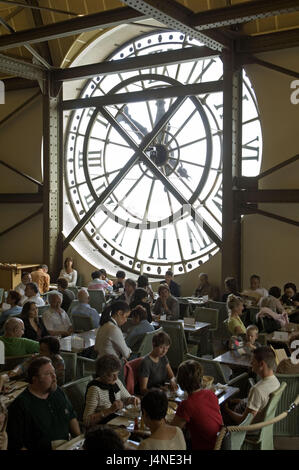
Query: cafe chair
[[74, 303], [131, 370], [75, 392], [178, 348], [206, 315], [70, 363], [81, 323], [264, 438], [214, 369], [85, 366], [75, 290], [97, 300], [41, 309], [146, 345], [222, 315], [290, 425], [233, 440]]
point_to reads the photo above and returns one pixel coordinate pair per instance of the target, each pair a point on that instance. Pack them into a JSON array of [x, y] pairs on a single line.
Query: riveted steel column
[[53, 181], [232, 154]]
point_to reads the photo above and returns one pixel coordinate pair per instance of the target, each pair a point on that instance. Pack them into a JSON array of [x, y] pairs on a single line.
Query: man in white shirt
[[32, 294], [83, 308], [55, 319], [98, 282], [255, 285], [263, 364]]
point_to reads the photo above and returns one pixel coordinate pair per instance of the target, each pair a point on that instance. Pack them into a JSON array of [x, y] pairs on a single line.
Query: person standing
[[41, 278]]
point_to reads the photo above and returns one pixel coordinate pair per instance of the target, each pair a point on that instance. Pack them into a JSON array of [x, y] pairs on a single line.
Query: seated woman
[[155, 369], [49, 346], [141, 326], [55, 319], [69, 273], [102, 437], [34, 327], [143, 283], [141, 298], [235, 309], [230, 285], [290, 296], [274, 299], [14, 309], [154, 407], [110, 339], [200, 412], [166, 304], [106, 394]]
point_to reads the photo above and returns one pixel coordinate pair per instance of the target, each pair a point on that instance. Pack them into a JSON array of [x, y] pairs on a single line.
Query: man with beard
[[41, 417]]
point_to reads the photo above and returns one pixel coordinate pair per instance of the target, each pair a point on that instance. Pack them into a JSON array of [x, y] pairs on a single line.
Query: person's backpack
[[268, 324]]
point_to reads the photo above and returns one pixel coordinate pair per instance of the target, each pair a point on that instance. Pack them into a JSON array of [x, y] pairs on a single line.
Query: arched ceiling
[[51, 32]]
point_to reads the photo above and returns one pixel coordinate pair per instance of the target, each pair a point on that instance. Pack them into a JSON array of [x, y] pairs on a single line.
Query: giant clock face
[[140, 226]]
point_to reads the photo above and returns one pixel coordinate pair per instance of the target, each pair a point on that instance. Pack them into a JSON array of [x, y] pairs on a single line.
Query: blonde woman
[[235, 308]]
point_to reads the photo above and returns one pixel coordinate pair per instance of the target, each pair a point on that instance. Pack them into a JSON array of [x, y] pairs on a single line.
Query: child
[[251, 338]]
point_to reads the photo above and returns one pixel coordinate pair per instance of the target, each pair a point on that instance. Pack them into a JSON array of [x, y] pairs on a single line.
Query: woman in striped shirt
[[106, 394]]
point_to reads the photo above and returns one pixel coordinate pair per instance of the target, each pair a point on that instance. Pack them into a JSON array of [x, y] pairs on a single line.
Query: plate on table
[[130, 412]]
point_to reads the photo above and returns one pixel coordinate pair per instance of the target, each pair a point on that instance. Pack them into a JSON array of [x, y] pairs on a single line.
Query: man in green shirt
[[14, 344], [41, 416]]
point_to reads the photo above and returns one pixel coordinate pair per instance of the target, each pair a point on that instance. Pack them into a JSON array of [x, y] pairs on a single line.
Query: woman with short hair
[[166, 304], [106, 394], [13, 300], [155, 369], [154, 407], [200, 412], [141, 327]]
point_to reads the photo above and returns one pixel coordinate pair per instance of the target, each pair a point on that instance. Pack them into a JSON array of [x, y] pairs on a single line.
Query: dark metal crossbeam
[[277, 217], [32, 180], [146, 95], [278, 167], [251, 59], [134, 63], [37, 7], [21, 198], [14, 112], [267, 196], [104, 19], [268, 42], [241, 13], [21, 222]]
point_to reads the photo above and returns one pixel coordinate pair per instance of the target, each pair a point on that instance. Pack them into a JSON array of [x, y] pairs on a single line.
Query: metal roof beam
[[268, 42], [178, 17], [104, 19], [241, 13], [134, 63], [18, 68]]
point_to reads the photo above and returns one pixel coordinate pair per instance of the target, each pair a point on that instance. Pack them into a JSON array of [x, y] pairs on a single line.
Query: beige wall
[[270, 248]]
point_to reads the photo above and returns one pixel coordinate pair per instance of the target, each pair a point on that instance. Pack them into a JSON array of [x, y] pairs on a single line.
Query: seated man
[[263, 364], [205, 288], [41, 415], [98, 282], [119, 282], [42, 278], [26, 277], [32, 294], [174, 288], [68, 295], [55, 319], [141, 326], [14, 344], [83, 308], [255, 292], [166, 304], [14, 309]]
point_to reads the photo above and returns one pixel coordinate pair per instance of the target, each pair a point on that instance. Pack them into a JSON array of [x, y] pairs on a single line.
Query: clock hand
[[136, 127]]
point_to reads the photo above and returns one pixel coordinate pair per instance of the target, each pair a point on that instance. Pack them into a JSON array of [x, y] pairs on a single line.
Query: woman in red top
[[200, 413]]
